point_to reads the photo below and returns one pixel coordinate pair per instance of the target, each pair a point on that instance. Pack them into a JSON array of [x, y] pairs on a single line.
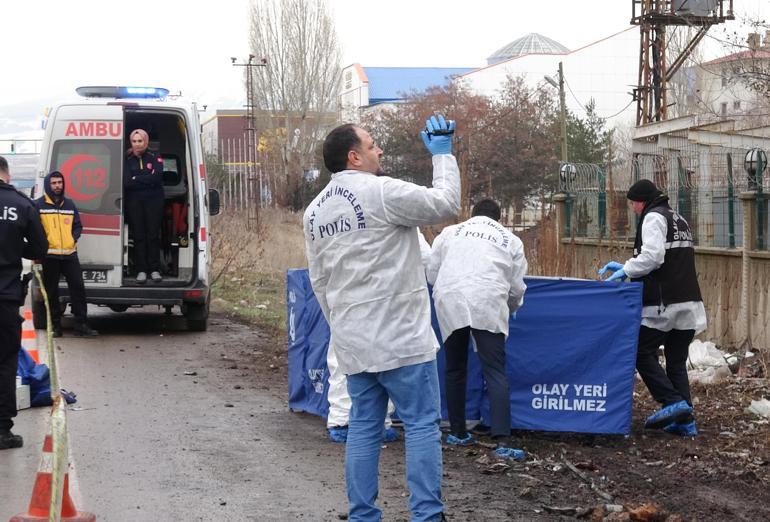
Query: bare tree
[[298, 90]]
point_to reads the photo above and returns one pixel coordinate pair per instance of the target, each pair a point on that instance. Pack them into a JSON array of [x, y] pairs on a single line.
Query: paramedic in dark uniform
[[143, 188], [19, 221], [672, 308]]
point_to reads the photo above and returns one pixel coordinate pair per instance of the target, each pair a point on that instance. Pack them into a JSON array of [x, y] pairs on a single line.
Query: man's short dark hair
[[488, 208], [3, 164], [337, 144], [56, 174]]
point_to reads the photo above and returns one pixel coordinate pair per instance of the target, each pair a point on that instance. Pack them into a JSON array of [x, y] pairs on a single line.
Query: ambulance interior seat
[[174, 185], [174, 182]]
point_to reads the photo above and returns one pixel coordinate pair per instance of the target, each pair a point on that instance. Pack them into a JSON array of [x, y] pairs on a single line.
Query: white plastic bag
[[760, 407], [706, 363]]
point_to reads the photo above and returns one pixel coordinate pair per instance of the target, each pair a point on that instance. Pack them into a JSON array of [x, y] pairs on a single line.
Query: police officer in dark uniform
[[19, 220], [672, 308], [143, 188]]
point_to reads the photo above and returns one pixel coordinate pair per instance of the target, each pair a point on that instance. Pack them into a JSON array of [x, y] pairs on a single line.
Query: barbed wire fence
[[703, 187]]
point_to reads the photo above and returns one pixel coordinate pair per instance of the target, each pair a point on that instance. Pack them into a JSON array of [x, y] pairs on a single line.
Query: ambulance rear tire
[[39, 319], [197, 316]]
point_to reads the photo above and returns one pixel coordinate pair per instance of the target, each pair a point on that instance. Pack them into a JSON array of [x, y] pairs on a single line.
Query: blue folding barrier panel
[[570, 356], [308, 342]]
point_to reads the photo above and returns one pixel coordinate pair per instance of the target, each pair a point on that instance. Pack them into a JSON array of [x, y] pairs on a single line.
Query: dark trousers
[[10, 342], [670, 385], [144, 218], [491, 351], [69, 267]]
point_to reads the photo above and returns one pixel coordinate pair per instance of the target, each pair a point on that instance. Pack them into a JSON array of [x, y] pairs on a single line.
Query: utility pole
[[655, 69], [563, 110], [253, 175]]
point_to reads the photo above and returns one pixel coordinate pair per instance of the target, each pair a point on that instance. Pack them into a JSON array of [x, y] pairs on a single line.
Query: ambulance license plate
[[95, 276]]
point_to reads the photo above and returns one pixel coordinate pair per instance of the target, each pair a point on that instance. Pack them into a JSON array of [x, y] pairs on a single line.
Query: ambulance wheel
[[39, 319], [197, 316]]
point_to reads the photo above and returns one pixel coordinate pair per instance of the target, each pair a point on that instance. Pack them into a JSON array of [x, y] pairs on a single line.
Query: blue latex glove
[[619, 274], [612, 265], [437, 135]]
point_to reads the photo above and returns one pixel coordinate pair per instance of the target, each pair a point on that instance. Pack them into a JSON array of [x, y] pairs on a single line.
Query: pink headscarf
[[143, 134]]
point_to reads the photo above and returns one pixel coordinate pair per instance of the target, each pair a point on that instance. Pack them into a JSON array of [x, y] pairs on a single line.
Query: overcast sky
[[52, 46]]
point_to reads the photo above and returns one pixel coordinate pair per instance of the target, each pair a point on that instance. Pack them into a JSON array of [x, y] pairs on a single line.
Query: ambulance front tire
[[39, 319], [197, 316]]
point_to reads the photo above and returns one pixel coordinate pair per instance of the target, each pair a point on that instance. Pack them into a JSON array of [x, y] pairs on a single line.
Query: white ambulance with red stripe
[[86, 140]]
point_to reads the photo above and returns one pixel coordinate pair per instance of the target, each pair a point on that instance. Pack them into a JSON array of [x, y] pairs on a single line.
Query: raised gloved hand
[[612, 265], [619, 274], [437, 135]]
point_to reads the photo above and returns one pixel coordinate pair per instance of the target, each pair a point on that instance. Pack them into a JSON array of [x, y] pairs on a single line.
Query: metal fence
[[703, 187]]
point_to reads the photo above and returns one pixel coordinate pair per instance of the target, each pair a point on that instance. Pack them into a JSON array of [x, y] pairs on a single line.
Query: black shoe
[[83, 330], [481, 429], [57, 331], [8, 440]]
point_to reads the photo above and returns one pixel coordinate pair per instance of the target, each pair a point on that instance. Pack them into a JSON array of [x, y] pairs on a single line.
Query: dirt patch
[[723, 474]]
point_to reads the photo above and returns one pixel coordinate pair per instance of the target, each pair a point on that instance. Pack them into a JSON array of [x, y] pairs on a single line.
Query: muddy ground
[[723, 474]]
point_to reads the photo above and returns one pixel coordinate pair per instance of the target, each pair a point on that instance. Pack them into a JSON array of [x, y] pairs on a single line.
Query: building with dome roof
[[533, 43], [604, 70]]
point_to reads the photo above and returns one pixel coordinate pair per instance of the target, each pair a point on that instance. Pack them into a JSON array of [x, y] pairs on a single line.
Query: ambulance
[[86, 140]]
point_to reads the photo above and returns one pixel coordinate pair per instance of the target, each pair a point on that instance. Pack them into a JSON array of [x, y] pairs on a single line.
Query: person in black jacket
[[672, 307], [21, 235], [61, 221], [143, 188]]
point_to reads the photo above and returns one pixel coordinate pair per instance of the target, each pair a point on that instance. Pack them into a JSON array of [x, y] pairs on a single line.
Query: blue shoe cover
[[683, 430], [453, 440], [679, 412], [391, 435], [338, 434], [69, 397], [510, 453]]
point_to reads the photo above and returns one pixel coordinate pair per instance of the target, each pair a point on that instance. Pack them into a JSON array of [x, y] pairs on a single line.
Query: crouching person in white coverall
[[364, 262], [339, 400], [477, 270]]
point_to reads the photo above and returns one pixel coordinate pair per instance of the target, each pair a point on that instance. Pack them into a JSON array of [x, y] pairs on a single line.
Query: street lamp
[[567, 175], [755, 164]]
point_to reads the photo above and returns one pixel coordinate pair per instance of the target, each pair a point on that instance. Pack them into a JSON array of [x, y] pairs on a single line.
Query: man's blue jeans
[[414, 390]]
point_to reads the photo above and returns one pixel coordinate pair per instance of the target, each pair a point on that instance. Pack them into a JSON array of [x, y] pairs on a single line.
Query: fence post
[[749, 228], [602, 204], [560, 204], [761, 199], [730, 203]]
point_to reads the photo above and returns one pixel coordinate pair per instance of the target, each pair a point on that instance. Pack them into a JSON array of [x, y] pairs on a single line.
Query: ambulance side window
[[91, 170]]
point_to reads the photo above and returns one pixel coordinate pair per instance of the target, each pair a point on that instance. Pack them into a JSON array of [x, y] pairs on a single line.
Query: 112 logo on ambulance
[[85, 177]]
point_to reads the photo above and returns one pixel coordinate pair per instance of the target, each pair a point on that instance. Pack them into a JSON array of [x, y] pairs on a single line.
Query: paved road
[[151, 443]]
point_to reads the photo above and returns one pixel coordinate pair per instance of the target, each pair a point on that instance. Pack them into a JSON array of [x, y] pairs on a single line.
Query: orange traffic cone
[[29, 336], [40, 503]]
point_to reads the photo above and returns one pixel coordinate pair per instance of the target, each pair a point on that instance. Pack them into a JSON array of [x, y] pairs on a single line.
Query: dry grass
[[249, 265]]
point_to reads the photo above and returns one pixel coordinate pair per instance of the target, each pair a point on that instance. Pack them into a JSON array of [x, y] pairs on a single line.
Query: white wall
[[604, 70]]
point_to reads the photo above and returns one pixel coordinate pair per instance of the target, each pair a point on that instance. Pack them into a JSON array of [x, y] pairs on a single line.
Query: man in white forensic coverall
[[477, 271], [339, 400], [364, 262]]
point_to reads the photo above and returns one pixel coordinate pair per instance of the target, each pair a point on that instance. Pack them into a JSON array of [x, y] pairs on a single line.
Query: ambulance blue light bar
[[122, 92]]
